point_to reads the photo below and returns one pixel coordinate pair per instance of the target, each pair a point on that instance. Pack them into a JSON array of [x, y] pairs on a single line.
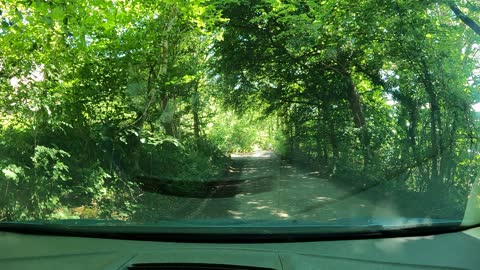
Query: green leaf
[[57, 14], [9, 174]]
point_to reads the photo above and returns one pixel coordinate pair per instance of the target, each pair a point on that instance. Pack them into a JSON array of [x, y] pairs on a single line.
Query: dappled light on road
[[274, 190], [271, 190]]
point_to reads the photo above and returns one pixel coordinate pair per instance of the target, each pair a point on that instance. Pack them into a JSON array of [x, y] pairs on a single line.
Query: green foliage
[[242, 133], [195, 162], [96, 94], [40, 184]]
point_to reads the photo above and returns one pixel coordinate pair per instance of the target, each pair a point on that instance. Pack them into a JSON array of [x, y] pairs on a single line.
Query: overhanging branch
[[464, 17]]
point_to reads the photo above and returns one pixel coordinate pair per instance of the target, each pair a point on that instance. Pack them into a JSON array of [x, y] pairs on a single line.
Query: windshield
[[238, 113]]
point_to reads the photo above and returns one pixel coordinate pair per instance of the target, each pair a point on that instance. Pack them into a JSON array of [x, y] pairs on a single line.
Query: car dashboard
[[459, 250]]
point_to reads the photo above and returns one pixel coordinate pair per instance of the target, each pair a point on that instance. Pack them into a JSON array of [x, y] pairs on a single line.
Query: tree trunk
[[355, 104], [332, 137], [412, 137], [358, 117], [447, 157], [153, 75], [322, 150], [434, 123], [195, 109], [169, 116]]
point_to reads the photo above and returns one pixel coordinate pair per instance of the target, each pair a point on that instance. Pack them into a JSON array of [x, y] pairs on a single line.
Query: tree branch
[[465, 19], [286, 100]]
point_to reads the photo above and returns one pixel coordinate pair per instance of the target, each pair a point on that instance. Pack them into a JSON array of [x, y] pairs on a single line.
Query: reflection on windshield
[[147, 111]]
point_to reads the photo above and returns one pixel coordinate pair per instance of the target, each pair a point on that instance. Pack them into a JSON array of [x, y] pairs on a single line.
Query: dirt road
[[273, 190]]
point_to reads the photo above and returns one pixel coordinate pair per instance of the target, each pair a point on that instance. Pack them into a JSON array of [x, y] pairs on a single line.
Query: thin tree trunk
[[447, 157], [434, 120], [153, 75], [322, 150], [169, 120], [195, 109], [412, 137], [355, 103], [332, 137], [358, 117]]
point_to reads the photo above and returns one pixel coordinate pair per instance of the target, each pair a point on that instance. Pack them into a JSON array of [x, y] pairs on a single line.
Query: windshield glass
[[238, 113]]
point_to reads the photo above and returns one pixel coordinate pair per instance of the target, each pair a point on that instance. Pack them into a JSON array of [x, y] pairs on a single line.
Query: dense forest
[[96, 95]]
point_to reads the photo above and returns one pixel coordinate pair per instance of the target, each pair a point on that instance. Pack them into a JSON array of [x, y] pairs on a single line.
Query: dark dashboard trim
[[234, 235]]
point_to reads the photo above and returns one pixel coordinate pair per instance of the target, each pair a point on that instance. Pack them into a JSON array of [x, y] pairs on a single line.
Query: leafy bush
[[190, 161], [36, 188]]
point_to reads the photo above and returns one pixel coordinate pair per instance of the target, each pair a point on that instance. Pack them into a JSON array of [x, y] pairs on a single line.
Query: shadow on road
[[246, 175]]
